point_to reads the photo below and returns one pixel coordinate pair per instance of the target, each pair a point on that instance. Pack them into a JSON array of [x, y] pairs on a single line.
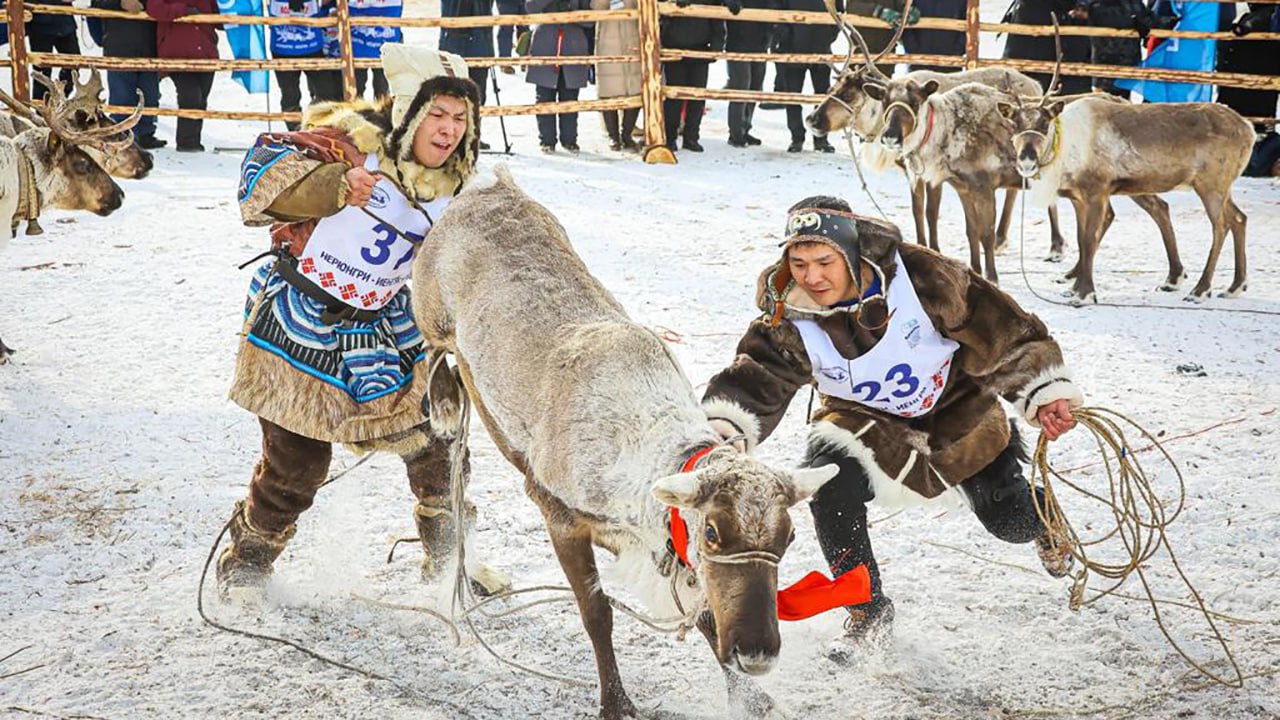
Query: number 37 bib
[[364, 262], [906, 371]]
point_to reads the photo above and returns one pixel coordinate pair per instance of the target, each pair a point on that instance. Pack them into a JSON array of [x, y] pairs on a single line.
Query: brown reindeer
[[118, 153], [46, 167], [595, 412], [1091, 149]]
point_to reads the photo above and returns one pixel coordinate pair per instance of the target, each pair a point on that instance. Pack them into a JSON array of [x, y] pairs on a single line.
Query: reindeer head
[[1035, 132], [902, 101], [847, 104], [118, 154], [736, 510]]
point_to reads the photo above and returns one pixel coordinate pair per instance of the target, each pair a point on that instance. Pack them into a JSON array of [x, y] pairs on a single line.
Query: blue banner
[[248, 42]]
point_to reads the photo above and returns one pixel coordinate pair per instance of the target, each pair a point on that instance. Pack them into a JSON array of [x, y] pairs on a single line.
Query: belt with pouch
[[335, 311]]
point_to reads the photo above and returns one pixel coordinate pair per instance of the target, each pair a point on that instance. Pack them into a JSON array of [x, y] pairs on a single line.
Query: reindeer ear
[[929, 88], [1053, 107], [680, 490], [1006, 109], [806, 482], [875, 90]]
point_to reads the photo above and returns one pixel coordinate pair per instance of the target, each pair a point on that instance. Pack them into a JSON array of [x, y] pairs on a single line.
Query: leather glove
[[893, 17], [735, 6], [1252, 21]]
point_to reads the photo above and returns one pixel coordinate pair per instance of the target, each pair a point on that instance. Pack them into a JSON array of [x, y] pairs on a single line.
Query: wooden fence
[[650, 58]]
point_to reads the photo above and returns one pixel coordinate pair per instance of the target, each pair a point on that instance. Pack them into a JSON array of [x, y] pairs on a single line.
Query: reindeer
[[598, 416], [1091, 149], [45, 167]]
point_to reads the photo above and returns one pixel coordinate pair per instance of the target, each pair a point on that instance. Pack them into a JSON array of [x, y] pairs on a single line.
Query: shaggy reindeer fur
[[597, 414], [1108, 148], [867, 121]]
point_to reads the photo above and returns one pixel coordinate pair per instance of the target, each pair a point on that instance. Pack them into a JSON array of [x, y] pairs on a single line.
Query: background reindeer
[[1091, 149], [596, 413], [45, 167]]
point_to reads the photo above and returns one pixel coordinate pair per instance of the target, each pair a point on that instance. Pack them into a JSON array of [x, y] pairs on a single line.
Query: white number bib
[[906, 371], [362, 261]]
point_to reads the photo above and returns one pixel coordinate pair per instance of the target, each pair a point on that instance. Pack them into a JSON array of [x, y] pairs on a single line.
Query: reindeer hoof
[[1082, 300], [1195, 297], [1236, 292], [5, 353], [33, 228], [1055, 256], [487, 582]]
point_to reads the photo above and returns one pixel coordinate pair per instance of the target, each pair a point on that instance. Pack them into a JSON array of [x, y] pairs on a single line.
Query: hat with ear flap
[[407, 68]]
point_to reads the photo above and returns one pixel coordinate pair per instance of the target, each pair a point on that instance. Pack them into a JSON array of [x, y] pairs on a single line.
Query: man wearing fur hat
[[910, 353], [330, 351]]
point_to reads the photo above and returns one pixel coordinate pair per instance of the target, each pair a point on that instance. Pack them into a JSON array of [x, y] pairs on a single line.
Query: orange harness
[[810, 595]]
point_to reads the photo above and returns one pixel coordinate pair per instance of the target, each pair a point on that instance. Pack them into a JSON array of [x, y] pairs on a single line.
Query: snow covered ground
[[121, 459]]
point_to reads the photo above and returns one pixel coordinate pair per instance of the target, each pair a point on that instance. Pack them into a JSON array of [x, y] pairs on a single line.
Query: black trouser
[[193, 94], [568, 122], [685, 73], [480, 76], [791, 79], [998, 493], [380, 86], [743, 75], [319, 87], [66, 44]]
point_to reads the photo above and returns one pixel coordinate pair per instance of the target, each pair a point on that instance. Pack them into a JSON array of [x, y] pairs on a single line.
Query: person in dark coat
[[747, 37], [508, 33], [1261, 57], [50, 33], [935, 42], [131, 39], [300, 41], [1027, 47], [469, 42], [1121, 15], [558, 82], [187, 41], [809, 39], [688, 33]]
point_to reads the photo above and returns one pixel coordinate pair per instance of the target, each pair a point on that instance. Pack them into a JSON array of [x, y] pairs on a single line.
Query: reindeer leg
[[972, 226], [1056, 242], [933, 200], [572, 544], [1237, 221], [33, 227], [5, 352], [918, 211], [1215, 207], [1006, 219], [1091, 217], [1158, 209], [745, 696]]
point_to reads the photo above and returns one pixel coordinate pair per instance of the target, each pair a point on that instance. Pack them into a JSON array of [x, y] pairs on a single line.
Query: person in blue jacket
[[366, 40], [1180, 54], [300, 41]]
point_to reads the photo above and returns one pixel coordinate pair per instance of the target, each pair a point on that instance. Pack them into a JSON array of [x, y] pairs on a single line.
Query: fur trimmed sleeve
[[1003, 348], [271, 167], [754, 392]]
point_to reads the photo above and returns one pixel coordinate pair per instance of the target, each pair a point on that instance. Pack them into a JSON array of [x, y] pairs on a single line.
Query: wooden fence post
[[971, 35], [18, 51], [651, 88], [346, 51]]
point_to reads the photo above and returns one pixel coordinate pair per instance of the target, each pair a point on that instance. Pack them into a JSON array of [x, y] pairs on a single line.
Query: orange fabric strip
[[814, 593]]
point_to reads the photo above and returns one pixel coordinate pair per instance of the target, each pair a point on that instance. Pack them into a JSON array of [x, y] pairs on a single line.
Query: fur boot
[[246, 562]]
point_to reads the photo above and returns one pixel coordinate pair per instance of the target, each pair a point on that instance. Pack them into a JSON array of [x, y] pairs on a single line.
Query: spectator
[[935, 42], [1261, 57], [507, 33], [469, 42], [1180, 53], [366, 40], [300, 41], [688, 33], [746, 37], [187, 41], [131, 39], [558, 82], [1027, 47], [1122, 15], [47, 33], [808, 39], [618, 37]]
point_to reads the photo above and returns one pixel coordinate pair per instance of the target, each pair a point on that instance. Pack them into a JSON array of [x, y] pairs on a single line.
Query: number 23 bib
[[364, 262], [906, 371]]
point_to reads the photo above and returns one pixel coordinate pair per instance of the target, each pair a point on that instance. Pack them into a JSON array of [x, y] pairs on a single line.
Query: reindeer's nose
[[113, 201], [148, 162], [755, 663], [1028, 163], [817, 123]]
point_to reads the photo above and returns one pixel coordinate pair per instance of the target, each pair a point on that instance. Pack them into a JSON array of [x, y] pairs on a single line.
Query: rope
[[1022, 252], [1140, 518], [857, 165]]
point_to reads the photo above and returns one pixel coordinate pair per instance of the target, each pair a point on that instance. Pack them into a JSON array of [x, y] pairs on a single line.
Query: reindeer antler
[[57, 114], [852, 34], [1057, 63], [87, 97]]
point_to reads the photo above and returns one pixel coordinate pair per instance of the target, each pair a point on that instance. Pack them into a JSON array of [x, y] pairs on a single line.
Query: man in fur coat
[[330, 352], [910, 353]]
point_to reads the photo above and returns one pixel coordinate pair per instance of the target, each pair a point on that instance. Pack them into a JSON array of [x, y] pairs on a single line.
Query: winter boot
[[611, 127], [245, 565], [437, 532], [629, 117], [868, 626]]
